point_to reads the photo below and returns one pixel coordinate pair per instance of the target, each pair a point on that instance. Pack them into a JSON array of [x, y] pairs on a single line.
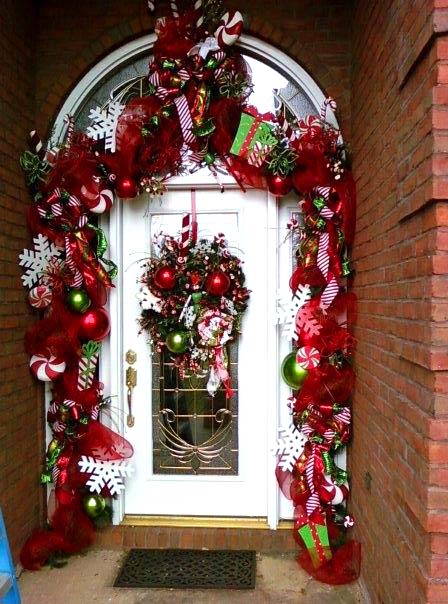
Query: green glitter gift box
[[252, 129]]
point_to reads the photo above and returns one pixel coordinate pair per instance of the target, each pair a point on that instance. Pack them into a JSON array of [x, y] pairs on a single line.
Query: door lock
[[131, 383]]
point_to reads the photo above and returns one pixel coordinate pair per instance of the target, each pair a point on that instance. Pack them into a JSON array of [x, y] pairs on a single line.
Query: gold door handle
[[131, 383]]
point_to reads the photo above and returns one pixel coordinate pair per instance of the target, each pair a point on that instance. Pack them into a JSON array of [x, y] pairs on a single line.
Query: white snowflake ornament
[[290, 445], [108, 474], [104, 124], [288, 307], [36, 261]]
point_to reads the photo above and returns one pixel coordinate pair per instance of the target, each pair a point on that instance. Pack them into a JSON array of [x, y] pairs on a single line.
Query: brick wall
[[20, 405], [400, 451]]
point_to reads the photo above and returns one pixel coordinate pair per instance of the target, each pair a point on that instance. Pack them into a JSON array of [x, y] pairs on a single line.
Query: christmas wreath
[[193, 299], [192, 113]]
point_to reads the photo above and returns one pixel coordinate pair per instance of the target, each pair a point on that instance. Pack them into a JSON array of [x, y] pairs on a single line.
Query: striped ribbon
[[344, 415], [323, 258], [329, 294], [257, 156], [189, 230], [73, 201], [154, 79], [186, 123], [95, 412], [77, 275], [55, 474], [58, 426]]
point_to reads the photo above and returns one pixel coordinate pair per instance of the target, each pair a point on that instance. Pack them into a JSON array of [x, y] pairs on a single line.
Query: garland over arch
[[193, 113]]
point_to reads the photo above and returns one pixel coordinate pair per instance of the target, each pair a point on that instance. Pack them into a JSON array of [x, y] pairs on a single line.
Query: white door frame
[[111, 364]]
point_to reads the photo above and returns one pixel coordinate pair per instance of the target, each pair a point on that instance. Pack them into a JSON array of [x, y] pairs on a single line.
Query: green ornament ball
[[196, 297], [94, 505], [292, 373], [78, 300], [177, 341]]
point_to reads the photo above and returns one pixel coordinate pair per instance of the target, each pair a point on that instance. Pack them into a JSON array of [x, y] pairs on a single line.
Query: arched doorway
[[256, 224]]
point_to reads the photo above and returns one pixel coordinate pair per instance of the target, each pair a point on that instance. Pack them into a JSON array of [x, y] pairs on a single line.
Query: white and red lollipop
[[40, 296], [308, 357], [229, 29], [47, 368], [98, 201]]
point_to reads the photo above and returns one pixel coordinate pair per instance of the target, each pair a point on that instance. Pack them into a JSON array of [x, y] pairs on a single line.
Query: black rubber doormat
[[188, 569]]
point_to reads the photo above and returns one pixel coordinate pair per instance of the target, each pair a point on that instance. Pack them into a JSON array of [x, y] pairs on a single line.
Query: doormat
[[188, 569]]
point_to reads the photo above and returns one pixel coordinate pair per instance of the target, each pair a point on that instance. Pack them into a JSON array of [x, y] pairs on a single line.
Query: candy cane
[[198, 9], [68, 119], [77, 275], [329, 102], [185, 234], [174, 9], [36, 144]]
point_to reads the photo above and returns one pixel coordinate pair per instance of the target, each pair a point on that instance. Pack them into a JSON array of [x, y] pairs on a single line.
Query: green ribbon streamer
[[328, 462], [339, 475], [101, 247]]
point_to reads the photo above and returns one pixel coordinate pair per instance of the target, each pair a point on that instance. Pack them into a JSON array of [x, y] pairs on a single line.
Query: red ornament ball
[[126, 188], [279, 185], [165, 277], [94, 325], [217, 283]]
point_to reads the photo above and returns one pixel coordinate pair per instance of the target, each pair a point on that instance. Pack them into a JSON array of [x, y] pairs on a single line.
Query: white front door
[[235, 483]]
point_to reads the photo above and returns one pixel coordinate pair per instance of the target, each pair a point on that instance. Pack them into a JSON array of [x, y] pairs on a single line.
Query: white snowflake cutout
[[36, 261], [104, 124], [148, 301], [287, 310], [290, 445], [108, 474]]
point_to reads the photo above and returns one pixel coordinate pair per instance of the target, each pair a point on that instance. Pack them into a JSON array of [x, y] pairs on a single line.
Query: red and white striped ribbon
[[323, 258], [184, 74], [53, 408], [312, 503], [77, 275], [56, 209], [344, 415], [94, 414], [323, 192], [55, 195], [162, 93], [307, 429], [55, 474], [73, 201], [219, 55], [186, 123], [329, 435], [329, 294], [58, 426], [309, 468], [82, 221], [154, 79], [327, 213]]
